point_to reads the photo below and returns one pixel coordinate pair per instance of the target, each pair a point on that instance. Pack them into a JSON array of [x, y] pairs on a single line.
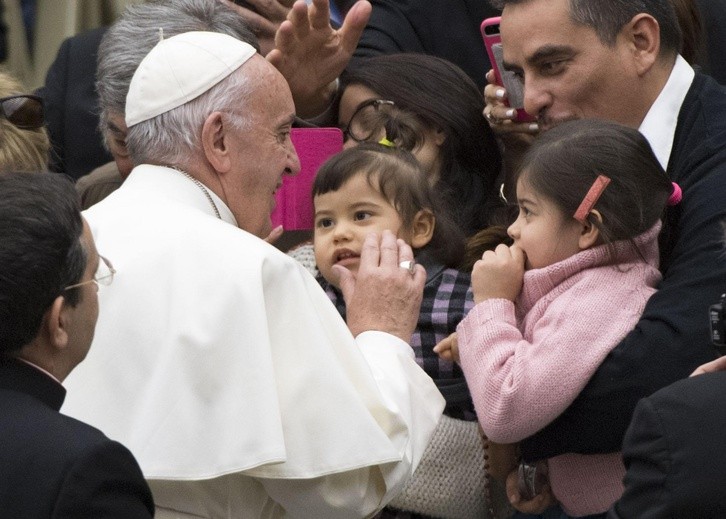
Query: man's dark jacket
[[675, 453], [53, 466]]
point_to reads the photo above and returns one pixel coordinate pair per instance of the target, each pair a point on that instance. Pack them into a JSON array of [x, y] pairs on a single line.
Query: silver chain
[[204, 190]]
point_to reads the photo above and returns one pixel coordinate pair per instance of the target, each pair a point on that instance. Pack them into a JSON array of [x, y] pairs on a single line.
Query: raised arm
[[311, 54]]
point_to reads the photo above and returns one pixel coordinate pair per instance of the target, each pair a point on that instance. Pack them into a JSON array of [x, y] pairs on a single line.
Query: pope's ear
[[422, 229], [215, 142], [590, 232]]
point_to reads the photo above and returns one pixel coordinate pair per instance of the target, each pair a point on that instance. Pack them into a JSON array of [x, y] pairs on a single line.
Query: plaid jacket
[[447, 298]]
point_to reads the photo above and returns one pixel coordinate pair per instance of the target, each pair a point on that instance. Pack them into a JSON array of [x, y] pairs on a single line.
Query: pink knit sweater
[[526, 362]]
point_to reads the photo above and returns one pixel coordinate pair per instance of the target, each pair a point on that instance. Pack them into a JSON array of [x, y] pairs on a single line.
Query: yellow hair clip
[[386, 142]]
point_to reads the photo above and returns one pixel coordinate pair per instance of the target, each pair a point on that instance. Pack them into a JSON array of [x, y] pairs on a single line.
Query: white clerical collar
[[659, 125]]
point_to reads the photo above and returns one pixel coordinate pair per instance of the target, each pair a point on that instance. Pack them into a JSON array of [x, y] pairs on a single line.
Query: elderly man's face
[[263, 151], [568, 72]]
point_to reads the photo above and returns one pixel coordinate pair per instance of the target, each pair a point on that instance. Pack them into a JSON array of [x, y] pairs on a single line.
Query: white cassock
[[222, 365]]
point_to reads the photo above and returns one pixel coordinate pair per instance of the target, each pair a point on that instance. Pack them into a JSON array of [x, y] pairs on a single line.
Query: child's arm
[[448, 349], [498, 274], [519, 385], [502, 458]]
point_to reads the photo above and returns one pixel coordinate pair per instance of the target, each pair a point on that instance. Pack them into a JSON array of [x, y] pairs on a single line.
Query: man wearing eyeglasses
[[52, 465]]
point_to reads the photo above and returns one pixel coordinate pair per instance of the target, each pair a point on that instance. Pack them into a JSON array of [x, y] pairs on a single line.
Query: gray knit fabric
[[305, 254], [449, 481]]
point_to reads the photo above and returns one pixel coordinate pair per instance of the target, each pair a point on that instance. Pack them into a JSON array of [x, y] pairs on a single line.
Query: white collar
[[659, 125]]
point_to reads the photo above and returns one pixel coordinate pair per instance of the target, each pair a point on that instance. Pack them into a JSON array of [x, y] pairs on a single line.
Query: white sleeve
[[408, 393]]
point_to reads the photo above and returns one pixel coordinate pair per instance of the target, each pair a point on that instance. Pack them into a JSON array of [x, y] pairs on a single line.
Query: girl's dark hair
[[563, 163], [397, 175], [443, 97]]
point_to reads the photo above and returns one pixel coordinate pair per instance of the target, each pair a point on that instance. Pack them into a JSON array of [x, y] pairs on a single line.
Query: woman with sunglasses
[[24, 145]]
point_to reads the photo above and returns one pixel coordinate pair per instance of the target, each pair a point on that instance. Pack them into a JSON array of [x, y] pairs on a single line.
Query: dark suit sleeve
[[647, 460], [106, 482], [388, 31]]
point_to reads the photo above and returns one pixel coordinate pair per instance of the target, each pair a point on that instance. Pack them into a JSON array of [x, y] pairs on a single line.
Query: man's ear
[[422, 229], [215, 142], [56, 323], [643, 33], [590, 234]]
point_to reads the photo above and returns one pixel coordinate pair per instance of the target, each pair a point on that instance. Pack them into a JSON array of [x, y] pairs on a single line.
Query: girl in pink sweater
[[552, 306]]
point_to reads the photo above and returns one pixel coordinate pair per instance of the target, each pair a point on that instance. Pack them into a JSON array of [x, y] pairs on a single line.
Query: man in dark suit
[[52, 465], [675, 453], [675, 447], [626, 67]]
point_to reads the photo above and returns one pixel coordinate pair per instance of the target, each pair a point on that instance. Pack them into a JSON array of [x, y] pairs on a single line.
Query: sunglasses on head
[[23, 111]]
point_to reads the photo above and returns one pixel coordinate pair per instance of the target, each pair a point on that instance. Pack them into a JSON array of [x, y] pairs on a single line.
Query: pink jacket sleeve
[[519, 386]]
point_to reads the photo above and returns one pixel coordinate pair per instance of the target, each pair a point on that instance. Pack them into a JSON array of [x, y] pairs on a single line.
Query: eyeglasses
[[23, 111], [368, 119], [103, 276]]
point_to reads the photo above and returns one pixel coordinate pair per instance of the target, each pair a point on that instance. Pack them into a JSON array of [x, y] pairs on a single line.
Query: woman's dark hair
[[563, 163], [40, 251], [443, 97], [397, 175]]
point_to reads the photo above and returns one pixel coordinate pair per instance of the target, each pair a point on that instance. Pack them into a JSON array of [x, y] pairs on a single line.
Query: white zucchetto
[[181, 68]]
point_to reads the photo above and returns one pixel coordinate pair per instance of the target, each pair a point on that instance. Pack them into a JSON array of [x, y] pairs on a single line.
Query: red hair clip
[[591, 198]]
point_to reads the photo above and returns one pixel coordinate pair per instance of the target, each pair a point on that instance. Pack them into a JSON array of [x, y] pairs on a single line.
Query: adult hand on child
[[448, 349], [311, 54], [498, 274], [382, 296]]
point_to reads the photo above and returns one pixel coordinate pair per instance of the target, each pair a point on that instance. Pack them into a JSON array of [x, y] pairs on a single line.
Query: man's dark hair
[[608, 17], [40, 251]]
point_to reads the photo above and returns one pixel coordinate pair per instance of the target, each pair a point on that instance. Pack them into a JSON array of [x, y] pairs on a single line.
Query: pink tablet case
[[294, 203]]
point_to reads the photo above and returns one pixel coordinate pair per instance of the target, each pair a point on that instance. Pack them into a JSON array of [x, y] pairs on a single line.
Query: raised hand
[[311, 54], [498, 274]]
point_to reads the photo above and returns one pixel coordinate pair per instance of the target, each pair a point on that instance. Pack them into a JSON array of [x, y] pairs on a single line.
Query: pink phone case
[[314, 146], [493, 44]]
